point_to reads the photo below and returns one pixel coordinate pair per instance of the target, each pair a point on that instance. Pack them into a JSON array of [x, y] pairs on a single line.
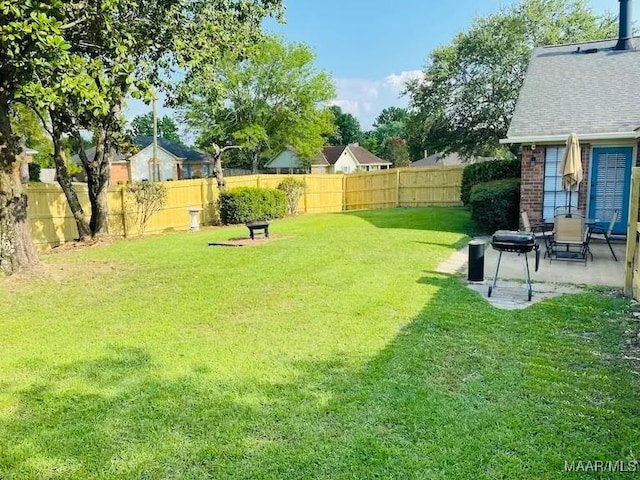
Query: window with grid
[[553, 195]]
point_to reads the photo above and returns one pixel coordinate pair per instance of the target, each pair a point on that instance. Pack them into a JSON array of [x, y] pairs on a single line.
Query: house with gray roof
[[172, 162], [332, 159], [593, 90]]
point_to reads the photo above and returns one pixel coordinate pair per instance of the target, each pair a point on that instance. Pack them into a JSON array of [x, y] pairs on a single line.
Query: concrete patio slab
[[553, 278], [602, 271]]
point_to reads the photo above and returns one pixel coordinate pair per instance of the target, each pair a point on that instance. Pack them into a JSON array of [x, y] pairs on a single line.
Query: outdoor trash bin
[[476, 261]]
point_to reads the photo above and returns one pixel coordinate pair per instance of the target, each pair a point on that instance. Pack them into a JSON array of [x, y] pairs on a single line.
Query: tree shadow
[[443, 219], [462, 391]]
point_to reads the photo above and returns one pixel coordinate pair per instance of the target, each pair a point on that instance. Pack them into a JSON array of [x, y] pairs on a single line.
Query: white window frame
[[553, 197]]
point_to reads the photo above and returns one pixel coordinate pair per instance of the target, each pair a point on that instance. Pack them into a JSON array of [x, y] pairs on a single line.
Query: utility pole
[[154, 163]]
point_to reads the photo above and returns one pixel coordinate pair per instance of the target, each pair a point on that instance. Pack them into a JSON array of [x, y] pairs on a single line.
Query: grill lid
[[513, 241]]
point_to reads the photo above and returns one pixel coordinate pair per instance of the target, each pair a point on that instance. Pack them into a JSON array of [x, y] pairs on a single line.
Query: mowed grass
[[332, 351]]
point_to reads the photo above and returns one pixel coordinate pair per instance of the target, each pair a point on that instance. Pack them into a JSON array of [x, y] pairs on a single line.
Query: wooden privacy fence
[[411, 187], [52, 222], [631, 278]]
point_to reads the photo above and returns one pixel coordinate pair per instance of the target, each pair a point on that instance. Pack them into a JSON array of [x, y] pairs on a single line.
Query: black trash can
[[476, 261]]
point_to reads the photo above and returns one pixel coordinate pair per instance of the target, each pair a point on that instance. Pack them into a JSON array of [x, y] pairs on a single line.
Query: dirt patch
[[58, 273], [247, 242]]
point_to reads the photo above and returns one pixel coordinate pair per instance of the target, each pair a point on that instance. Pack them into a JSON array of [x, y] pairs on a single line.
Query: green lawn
[[333, 351]]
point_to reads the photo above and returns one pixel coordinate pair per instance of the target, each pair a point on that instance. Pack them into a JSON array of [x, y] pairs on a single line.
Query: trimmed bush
[[249, 204], [486, 172], [293, 189], [34, 172], [495, 205]]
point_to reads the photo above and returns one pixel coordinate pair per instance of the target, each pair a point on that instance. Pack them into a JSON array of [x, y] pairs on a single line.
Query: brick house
[[591, 89]]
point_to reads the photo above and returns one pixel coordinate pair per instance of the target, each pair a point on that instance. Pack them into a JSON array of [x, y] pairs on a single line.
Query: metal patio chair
[[606, 234]]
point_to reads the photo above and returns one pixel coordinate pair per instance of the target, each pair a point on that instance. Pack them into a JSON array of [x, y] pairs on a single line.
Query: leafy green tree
[[31, 46], [27, 126], [390, 115], [167, 128], [471, 86], [369, 141], [262, 103], [347, 127], [124, 56], [394, 149]]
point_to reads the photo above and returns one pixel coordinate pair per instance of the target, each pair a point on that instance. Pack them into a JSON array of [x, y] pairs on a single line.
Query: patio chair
[[538, 229], [598, 230], [570, 241]]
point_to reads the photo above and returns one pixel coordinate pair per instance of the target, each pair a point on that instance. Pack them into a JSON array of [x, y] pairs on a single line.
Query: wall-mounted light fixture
[[533, 159]]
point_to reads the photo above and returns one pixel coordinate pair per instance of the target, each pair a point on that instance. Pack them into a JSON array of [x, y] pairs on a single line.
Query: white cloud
[[398, 80], [365, 99]]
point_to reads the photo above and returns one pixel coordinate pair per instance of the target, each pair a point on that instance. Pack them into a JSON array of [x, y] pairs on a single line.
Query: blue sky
[[370, 47]]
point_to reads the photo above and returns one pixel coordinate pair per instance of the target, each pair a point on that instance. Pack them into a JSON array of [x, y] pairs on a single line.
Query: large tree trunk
[[217, 171], [64, 179], [255, 160], [16, 247], [97, 169]]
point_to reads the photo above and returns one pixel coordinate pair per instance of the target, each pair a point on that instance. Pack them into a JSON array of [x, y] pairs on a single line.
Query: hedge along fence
[[486, 172], [495, 205], [52, 222]]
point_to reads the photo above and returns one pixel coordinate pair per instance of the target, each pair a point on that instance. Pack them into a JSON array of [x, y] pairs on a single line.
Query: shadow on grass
[[463, 391]]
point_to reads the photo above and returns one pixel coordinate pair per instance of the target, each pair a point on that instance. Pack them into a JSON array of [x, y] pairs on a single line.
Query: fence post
[[632, 230], [344, 192], [258, 181], [304, 194], [124, 212], [397, 187]]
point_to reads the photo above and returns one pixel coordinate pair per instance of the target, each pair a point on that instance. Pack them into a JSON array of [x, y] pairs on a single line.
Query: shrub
[[34, 172], [250, 204], [485, 172], [495, 205], [148, 198], [293, 188]]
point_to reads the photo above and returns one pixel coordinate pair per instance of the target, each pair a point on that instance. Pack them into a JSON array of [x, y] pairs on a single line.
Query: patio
[[603, 270]]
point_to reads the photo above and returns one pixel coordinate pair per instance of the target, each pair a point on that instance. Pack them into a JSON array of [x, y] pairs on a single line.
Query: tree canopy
[[394, 149], [347, 127], [262, 103], [167, 128], [470, 87]]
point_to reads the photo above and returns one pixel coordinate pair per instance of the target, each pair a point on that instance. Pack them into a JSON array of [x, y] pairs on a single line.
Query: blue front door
[[610, 183]]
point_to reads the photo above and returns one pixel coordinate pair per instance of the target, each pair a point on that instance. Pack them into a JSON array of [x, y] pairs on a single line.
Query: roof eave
[[629, 135]]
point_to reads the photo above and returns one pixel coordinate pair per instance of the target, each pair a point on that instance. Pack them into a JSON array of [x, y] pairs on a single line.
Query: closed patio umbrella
[[571, 166]]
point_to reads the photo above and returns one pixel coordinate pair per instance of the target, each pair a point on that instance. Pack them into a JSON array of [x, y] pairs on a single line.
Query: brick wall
[[532, 181]]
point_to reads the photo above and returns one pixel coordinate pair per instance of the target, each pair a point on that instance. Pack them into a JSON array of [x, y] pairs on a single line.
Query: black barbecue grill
[[516, 242]]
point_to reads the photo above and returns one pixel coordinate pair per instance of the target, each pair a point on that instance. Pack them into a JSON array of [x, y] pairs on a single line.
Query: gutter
[[629, 135]]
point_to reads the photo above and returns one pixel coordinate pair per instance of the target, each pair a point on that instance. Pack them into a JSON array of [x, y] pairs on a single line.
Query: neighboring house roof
[[447, 160], [439, 159], [320, 160], [365, 157], [91, 153], [177, 150], [566, 90], [332, 153], [186, 154]]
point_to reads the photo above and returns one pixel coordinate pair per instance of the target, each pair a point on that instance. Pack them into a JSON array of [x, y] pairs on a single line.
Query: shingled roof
[[180, 151], [567, 89], [365, 157]]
